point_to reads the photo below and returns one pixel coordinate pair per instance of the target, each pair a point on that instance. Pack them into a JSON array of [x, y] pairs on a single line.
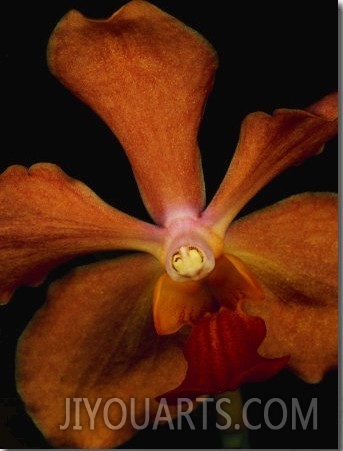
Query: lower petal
[[309, 335], [222, 355], [292, 249], [94, 338]]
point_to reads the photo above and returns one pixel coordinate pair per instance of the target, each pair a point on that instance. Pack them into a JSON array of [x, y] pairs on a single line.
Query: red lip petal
[[222, 355]]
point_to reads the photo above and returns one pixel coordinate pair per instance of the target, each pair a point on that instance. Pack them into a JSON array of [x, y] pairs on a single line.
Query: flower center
[[190, 250], [188, 261]]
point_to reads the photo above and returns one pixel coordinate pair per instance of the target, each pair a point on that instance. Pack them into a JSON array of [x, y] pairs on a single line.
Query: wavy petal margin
[[292, 248], [94, 341], [47, 218], [147, 75]]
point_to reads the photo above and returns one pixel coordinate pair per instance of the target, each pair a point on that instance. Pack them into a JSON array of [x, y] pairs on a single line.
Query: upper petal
[[47, 218], [292, 249], [267, 146], [148, 76], [94, 338]]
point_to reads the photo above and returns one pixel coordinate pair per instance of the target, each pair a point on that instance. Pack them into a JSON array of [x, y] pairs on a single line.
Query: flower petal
[[267, 146], [179, 303], [93, 339], [47, 218], [308, 334], [222, 355], [291, 247], [148, 76]]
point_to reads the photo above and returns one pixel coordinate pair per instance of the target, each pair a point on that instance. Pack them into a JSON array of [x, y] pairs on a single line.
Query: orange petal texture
[[47, 218], [94, 338], [222, 355], [147, 75], [269, 144], [292, 249]]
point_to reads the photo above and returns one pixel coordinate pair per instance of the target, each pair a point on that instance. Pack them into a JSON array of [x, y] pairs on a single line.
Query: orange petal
[[179, 303], [222, 355], [47, 218], [308, 334], [148, 76], [94, 338], [267, 146], [292, 248], [326, 107]]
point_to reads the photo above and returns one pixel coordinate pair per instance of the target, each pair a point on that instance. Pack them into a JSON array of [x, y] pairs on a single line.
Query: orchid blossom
[[207, 302]]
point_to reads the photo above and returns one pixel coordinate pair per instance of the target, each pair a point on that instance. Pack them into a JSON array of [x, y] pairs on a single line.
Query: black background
[[271, 54]]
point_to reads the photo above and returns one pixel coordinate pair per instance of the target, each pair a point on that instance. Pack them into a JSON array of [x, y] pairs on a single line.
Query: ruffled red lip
[[222, 355]]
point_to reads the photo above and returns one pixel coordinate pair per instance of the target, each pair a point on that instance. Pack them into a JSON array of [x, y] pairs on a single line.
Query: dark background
[[271, 54]]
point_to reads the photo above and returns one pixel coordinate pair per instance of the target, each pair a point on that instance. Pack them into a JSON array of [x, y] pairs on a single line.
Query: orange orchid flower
[[208, 302]]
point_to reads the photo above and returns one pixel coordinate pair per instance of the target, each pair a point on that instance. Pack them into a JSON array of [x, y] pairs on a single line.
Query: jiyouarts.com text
[[80, 413]]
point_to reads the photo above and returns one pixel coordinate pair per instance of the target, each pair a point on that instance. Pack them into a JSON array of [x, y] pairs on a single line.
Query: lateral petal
[[267, 146], [147, 76], [94, 338], [292, 249], [47, 218]]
